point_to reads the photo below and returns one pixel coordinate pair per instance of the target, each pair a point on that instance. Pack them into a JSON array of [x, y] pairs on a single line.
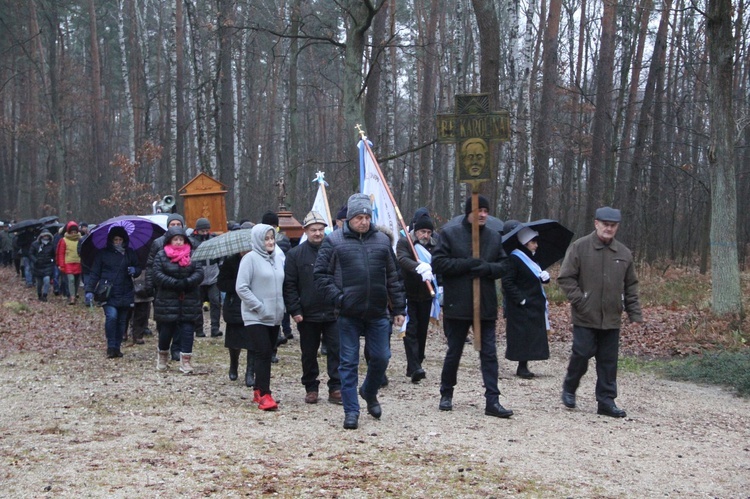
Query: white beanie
[[525, 235]]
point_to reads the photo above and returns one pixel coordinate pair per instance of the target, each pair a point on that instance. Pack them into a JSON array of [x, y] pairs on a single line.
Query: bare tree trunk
[[726, 291], [427, 105], [601, 125], [377, 58], [548, 116], [294, 128], [179, 89], [632, 231], [99, 162], [226, 103], [358, 15], [654, 234], [623, 169], [489, 42], [128, 111]]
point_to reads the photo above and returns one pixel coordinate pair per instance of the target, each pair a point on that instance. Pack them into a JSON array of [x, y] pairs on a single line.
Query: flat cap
[[607, 214]]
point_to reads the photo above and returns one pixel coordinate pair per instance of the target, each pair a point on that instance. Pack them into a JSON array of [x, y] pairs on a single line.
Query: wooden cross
[[471, 127]]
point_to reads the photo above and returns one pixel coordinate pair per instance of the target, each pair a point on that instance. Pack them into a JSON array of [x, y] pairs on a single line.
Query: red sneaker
[[267, 403]]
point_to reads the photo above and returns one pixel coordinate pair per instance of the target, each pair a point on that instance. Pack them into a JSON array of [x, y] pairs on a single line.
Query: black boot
[[250, 371], [523, 370], [234, 361]]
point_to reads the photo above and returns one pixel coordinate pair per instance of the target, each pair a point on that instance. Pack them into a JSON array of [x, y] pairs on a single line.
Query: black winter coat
[[178, 297], [526, 327], [156, 246], [24, 240], [452, 260], [232, 306], [112, 266], [42, 258], [358, 274], [300, 295], [416, 289]]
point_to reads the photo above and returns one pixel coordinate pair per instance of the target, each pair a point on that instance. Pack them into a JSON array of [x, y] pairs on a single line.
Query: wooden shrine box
[[204, 197], [290, 226]]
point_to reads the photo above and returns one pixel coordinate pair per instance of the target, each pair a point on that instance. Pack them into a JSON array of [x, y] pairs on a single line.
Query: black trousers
[[456, 331], [263, 341], [212, 295], [415, 338], [139, 320], [603, 345], [310, 335]]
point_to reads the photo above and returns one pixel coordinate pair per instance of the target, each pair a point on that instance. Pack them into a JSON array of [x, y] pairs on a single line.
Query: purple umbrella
[[141, 233]]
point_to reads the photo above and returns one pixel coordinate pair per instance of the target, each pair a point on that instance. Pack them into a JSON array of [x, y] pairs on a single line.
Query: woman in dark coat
[[177, 304], [525, 304], [237, 338], [42, 256], [116, 264]]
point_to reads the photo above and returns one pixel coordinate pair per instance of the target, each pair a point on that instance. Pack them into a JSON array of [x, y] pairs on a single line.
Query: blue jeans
[[56, 277], [455, 332], [115, 322], [26, 263], [377, 334], [42, 286], [182, 330]]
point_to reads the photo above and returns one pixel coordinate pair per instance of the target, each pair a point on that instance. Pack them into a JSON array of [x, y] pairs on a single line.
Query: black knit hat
[[270, 218], [341, 215], [483, 203], [424, 222]]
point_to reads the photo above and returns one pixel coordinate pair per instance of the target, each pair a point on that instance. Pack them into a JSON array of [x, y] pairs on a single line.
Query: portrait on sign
[[474, 160]]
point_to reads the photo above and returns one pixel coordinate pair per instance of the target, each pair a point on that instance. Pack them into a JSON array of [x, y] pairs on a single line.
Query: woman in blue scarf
[[525, 310]]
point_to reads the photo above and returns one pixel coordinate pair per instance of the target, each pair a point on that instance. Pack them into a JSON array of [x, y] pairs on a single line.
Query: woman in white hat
[[525, 304]]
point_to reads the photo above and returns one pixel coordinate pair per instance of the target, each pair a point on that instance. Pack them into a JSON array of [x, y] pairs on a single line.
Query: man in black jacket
[[315, 317], [417, 272], [453, 261], [356, 271]]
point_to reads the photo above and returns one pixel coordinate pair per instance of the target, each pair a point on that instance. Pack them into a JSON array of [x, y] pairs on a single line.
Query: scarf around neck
[[178, 254], [536, 270]]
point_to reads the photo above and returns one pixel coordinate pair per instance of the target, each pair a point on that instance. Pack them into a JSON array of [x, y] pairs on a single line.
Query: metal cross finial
[[358, 126]]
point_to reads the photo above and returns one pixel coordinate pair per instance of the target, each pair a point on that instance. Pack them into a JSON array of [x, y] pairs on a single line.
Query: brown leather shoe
[[311, 398], [334, 397]]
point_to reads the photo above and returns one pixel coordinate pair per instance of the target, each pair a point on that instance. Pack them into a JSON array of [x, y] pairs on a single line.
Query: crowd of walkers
[[344, 283]]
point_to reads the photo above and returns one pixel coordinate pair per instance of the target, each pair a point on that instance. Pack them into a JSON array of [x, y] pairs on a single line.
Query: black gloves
[[482, 270]]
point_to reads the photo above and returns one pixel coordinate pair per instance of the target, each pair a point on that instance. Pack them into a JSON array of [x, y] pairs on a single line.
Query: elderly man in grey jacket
[[598, 277]]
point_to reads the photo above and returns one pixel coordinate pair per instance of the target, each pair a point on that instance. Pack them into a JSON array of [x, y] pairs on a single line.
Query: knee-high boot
[[234, 362], [250, 372]]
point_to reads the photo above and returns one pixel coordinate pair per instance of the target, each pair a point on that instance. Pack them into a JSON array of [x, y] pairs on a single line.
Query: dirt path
[[74, 424]]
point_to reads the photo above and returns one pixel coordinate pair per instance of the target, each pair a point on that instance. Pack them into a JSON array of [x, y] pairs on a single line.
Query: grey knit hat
[[358, 204], [202, 224]]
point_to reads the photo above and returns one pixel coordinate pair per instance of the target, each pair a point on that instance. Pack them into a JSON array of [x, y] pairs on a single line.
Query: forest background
[[108, 105]]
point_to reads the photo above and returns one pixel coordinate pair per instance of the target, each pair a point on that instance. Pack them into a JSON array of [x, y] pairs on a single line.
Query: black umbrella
[[48, 220], [554, 239], [54, 227], [141, 233], [25, 224], [492, 222]]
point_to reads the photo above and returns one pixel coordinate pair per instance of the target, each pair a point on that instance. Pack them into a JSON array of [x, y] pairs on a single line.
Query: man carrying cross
[[453, 260]]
